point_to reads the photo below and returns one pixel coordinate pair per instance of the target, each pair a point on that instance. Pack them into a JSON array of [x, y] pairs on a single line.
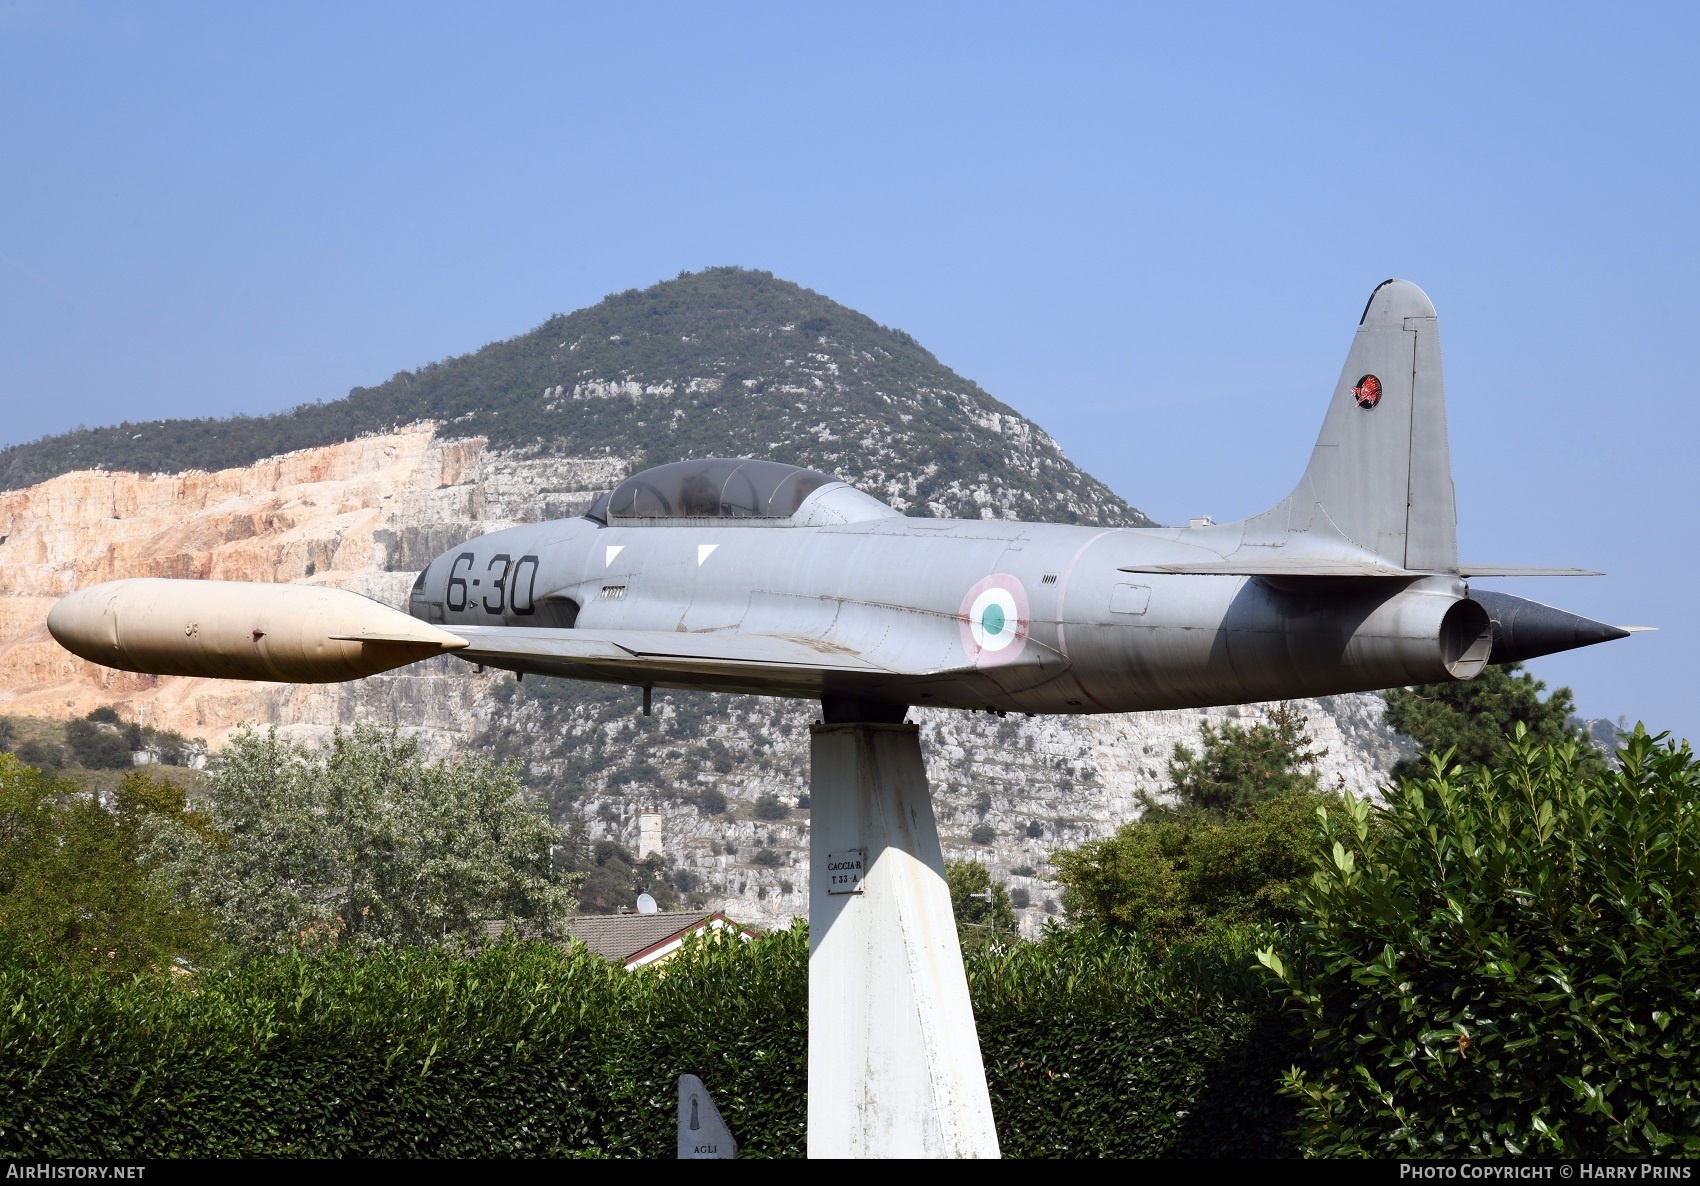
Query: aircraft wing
[[658, 654], [662, 645]]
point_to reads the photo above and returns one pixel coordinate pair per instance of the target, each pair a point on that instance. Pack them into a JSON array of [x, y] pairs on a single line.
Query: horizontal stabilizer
[[1295, 567], [1513, 570], [1298, 566]]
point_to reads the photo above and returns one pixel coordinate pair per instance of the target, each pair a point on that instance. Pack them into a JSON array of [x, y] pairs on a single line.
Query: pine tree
[[1476, 719]]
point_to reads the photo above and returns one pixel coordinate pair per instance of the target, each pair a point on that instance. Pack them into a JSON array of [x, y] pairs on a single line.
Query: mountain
[[725, 362]]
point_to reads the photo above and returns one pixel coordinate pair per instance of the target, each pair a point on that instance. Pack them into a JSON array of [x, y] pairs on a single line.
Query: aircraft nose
[[1524, 629]]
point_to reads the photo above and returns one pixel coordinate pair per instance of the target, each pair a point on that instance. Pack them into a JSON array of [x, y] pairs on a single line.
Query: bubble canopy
[[715, 488]]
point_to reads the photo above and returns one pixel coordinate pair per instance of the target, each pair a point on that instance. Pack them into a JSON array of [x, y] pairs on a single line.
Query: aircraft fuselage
[[981, 614]]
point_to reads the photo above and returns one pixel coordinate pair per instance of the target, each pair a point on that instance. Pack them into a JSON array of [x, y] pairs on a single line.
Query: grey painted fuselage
[[689, 578], [895, 591]]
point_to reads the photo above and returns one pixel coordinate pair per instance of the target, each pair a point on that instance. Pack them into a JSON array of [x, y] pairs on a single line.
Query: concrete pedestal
[[894, 1061]]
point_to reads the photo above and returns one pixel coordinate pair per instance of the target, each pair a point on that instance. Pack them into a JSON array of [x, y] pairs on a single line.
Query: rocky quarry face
[[367, 514]]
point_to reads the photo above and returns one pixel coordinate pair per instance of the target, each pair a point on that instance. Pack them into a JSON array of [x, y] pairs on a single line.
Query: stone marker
[[703, 1136]]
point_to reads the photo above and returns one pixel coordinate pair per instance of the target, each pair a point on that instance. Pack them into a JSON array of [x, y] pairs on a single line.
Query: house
[[638, 939]]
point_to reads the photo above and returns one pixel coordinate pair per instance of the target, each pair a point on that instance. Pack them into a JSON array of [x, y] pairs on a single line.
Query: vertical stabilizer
[[1381, 475]]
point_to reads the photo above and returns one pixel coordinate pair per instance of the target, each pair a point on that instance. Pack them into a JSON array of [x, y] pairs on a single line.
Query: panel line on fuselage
[[1062, 614]]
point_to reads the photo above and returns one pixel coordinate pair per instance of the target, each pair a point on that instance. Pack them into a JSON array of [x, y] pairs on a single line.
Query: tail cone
[[1525, 629]]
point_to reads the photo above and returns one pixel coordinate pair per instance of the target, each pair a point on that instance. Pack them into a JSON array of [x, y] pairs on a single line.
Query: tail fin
[[1381, 475]]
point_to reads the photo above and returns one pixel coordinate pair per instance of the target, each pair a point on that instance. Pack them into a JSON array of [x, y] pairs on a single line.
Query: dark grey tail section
[[1380, 479], [1524, 629]]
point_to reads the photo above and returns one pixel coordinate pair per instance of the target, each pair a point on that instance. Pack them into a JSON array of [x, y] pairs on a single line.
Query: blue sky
[[1150, 228]]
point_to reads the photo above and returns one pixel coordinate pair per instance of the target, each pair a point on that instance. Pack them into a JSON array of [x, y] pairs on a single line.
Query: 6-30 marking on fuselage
[[506, 587]]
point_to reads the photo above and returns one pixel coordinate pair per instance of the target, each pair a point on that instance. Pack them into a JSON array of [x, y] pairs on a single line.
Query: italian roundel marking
[[1367, 392], [995, 620]]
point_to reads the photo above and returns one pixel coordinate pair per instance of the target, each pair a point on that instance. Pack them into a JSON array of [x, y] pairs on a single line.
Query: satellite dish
[[646, 904]]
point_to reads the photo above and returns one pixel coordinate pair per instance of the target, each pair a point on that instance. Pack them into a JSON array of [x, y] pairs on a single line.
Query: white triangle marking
[[704, 551], [613, 550]]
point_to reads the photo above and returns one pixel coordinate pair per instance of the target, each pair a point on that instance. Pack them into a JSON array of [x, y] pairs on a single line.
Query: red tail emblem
[[1367, 392]]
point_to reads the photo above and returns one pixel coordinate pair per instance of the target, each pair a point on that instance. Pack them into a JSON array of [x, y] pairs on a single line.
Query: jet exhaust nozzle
[[1465, 639], [241, 630], [1419, 637], [1524, 629]]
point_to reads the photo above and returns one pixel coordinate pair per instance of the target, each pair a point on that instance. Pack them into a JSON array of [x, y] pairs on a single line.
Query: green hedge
[[1093, 1047], [1502, 963], [523, 1051], [1097, 1046], [1505, 962]]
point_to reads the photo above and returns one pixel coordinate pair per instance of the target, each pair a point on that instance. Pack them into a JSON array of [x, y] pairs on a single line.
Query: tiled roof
[[621, 936]]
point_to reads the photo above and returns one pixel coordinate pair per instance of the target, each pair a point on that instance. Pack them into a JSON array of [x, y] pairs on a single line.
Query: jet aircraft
[[745, 575]]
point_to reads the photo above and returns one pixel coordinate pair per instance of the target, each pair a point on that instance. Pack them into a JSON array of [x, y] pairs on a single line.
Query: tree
[[1179, 878], [1501, 961], [71, 887], [613, 878], [1238, 766], [98, 745], [40, 755], [1475, 719], [1227, 847], [362, 841], [978, 917]]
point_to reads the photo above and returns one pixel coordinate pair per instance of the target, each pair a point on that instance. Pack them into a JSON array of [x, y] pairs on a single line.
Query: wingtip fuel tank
[[239, 630]]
